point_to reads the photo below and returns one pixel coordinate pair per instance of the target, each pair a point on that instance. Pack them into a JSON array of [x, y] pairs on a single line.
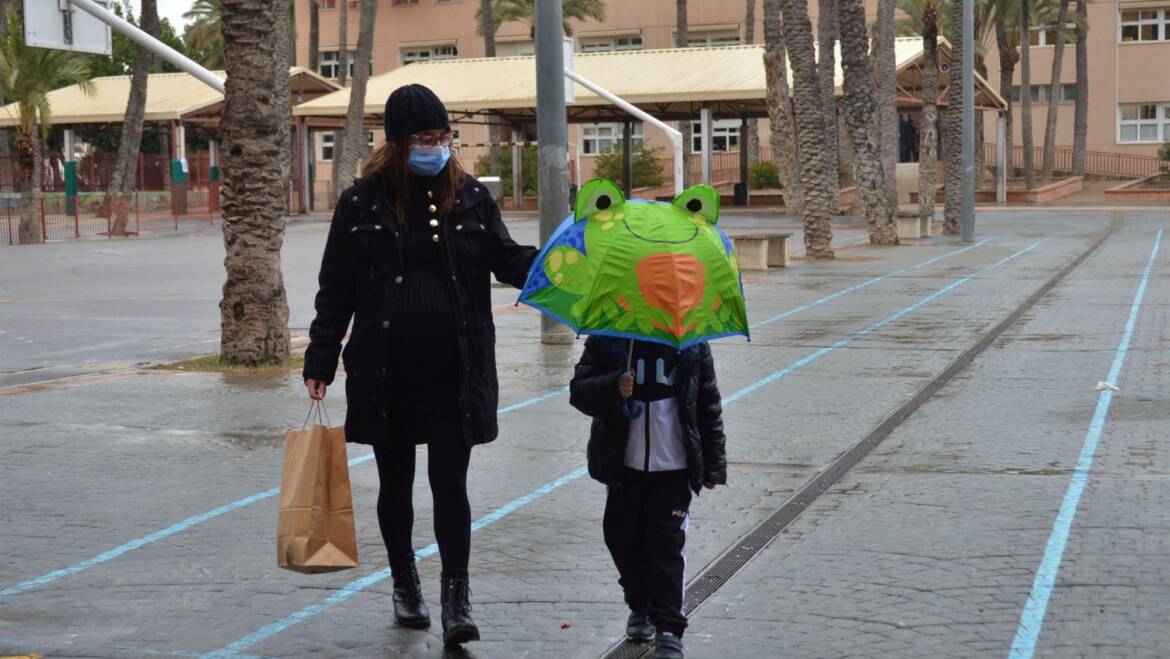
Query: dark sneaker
[[409, 608], [639, 628], [668, 646]]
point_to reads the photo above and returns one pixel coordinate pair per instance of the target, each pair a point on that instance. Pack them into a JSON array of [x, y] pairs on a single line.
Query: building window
[[515, 48], [1046, 35], [606, 44], [699, 39], [329, 64], [325, 145], [603, 138], [424, 53], [1068, 93], [1143, 122], [1145, 25], [724, 136]]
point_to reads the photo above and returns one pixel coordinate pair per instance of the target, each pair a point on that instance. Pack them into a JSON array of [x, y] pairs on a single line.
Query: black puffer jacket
[[359, 271], [594, 391]]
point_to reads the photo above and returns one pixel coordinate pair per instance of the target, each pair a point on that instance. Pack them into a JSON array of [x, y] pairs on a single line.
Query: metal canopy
[[671, 84]]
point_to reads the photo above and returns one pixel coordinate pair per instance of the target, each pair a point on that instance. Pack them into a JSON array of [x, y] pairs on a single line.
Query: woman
[[409, 256]]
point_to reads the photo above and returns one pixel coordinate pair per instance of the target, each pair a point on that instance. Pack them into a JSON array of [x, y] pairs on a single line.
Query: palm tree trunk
[[314, 35], [751, 141], [352, 149], [488, 28], [815, 169], [1026, 95], [928, 122], [1008, 55], [1054, 96], [682, 41], [1081, 116], [281, 52], [254, 309], [859, 114], [342, 42], [164, 147], [29, 181], [783, 131], [826, 67], [952, 209], [887, 94], [126, 166]]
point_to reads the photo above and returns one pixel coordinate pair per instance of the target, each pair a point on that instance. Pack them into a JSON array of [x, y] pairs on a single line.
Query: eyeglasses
[[445, 138]]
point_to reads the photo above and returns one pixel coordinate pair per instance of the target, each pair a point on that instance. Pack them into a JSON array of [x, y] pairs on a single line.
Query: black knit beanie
[[413, 109]]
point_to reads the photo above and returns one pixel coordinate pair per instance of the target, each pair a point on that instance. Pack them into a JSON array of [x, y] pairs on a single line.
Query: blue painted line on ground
[[260, 496], [1032, 617], [864, 284], [357, 585]]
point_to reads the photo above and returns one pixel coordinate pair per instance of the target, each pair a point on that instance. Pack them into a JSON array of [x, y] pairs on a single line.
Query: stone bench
[[758, 251], [911, 225]]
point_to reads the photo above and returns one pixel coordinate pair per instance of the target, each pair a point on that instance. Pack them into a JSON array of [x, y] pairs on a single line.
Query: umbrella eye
[[604, 202], [700, 202], [694, 205], [597, 196]]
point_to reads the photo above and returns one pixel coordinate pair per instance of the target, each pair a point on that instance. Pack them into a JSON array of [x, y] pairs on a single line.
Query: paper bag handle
[[317, 406]]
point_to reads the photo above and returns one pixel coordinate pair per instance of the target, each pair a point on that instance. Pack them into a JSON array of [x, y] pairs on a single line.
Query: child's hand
[[709, 486], [626, 385]]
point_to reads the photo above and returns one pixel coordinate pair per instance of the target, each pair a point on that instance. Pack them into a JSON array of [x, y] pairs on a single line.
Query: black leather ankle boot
[[409, 608], [458, 626]]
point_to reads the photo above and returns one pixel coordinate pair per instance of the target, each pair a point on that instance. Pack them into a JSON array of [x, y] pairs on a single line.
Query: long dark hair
[[389, 160]]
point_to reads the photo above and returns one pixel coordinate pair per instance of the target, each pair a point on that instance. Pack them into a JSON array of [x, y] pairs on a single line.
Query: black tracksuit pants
[[646, 518]]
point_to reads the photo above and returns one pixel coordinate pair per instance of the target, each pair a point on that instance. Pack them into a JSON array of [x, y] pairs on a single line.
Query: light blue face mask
[[428, 161]]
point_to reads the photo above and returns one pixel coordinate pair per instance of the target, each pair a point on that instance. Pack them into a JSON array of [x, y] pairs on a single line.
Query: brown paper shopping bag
[[315, 528]]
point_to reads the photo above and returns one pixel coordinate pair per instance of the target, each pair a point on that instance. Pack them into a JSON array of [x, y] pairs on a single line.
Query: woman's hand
[[626, 385], [316, 388]]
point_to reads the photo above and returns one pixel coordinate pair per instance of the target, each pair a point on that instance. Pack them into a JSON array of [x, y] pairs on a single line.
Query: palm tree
[[126, 165], [314, 35], [752, 139], [524, 11], [1054, 95], [826, 72], [885, 76], [351, 149], [1026, 93], [282, 50], [342, 55], [485, 25], [928, 123], [203, 37], [783, 132], [860, 112], [1081, 114], [953, 151], [1008, 42], [815, 168], [27, 75], [254, 308]]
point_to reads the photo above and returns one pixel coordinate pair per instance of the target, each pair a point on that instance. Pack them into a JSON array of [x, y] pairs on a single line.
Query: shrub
[[1164, 152], [501, 166], [645, 163], [764, 175]]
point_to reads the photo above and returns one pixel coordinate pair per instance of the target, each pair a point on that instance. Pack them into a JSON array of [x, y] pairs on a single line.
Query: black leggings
[[447, 462]]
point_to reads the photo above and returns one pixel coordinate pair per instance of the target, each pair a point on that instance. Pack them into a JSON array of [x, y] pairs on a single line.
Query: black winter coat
[[594, 391], [359, 271]]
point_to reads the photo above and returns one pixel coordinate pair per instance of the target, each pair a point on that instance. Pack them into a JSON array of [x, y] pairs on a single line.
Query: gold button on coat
[[432, 208], [435, 237], [434, 222]]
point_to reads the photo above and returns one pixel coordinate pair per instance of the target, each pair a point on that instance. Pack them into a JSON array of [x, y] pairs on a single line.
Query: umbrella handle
[[630, 358]]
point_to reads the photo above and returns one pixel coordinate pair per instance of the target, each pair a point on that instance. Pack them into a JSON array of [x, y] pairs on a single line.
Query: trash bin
[[741, 194], [572, 196]]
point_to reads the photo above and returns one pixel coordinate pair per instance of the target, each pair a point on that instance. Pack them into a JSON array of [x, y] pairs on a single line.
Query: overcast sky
[[172, 9]]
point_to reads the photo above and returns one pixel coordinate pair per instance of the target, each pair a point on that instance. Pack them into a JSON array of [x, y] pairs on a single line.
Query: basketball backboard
[[58, 24]]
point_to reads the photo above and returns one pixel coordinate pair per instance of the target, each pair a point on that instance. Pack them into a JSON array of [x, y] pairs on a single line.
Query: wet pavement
[[139, 506]]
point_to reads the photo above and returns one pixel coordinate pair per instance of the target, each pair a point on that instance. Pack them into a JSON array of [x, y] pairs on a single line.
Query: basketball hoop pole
[[148, 42]]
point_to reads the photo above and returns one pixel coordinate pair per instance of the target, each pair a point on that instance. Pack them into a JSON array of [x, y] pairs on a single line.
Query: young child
[[657, 436]]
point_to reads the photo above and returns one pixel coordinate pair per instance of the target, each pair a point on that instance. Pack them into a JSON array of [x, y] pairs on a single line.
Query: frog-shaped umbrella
[[638, 269]]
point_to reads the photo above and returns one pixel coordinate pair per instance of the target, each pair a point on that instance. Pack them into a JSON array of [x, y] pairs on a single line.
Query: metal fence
[[1097, 163]]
